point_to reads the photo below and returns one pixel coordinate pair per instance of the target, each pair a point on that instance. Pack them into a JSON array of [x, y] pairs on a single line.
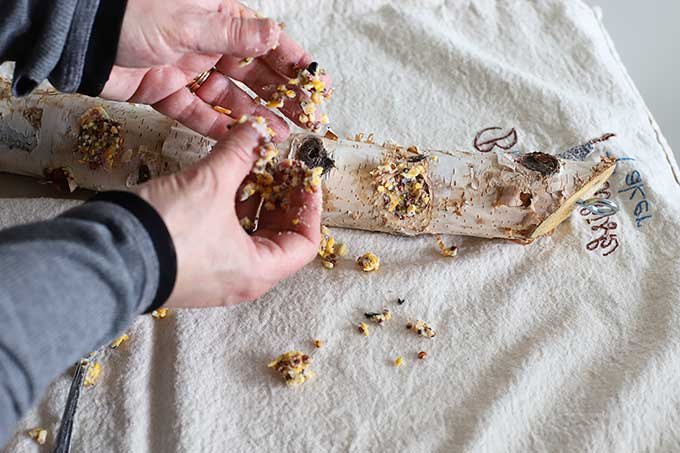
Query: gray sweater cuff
[[67, 75], [73, 43]]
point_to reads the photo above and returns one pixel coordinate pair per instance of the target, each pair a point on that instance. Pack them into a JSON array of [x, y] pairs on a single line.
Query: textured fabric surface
[[94, 266], [548, 347]]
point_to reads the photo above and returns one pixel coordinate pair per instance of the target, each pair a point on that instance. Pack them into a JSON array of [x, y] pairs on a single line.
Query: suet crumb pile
[[292, 366], [99, 140], [329, 250], [368, 262]]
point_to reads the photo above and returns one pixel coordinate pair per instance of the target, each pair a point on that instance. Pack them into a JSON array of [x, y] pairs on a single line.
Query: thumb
[[218, 33], [233, 158]]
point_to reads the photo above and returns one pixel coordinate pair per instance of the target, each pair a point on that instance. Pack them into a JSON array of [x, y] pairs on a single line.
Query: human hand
[[218, 263], [164, 45]]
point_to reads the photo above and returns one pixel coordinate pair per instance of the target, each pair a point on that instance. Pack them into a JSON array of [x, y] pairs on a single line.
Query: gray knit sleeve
[[47, 40], [68, 286]]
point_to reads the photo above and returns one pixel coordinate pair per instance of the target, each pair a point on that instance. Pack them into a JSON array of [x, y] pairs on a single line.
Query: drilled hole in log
[[312, 152], [525, 198], [143, 174], [545, 164]]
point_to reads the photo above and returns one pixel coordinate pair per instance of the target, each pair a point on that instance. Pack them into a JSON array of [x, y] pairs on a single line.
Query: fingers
[[288, 239], [218, 33], [264, 82], [191, 111], [219, 90], [234, 156], [288, 57]]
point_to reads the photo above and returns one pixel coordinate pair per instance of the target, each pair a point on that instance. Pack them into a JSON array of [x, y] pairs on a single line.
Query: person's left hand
[[164, 45]]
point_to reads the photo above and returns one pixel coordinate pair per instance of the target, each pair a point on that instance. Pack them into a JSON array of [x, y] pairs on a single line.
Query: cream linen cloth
[[548, 347]]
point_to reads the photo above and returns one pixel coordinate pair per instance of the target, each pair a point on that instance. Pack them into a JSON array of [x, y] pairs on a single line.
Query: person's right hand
[[165, 44], [218, 263]]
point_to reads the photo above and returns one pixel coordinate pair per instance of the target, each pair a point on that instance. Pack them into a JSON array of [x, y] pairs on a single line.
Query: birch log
[[491, 195]]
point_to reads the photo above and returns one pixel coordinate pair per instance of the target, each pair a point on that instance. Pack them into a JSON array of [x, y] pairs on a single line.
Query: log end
[[600, 174]]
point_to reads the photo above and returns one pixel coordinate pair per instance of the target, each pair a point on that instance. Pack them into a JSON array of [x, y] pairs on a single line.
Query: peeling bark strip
[[367, 186]]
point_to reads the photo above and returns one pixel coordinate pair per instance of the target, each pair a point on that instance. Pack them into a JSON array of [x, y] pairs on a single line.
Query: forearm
[[70, 42], [69, 285]]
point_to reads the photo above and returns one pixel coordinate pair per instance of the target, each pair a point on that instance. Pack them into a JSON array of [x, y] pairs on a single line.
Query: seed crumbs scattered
[[443, 249], [120, 340], [421, 328], [368, 262], [399, 361], [160, 313], [329, 251], [38, 434], [92, 374], [380, 318], [363, 329]]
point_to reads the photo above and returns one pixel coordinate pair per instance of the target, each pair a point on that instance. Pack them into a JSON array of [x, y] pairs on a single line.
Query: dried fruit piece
[[292, 367], [38, 434], [318, 343], [368, 262], [120, 340], [422, 355]]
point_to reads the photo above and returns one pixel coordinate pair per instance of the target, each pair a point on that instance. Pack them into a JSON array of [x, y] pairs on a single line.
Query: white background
[[647, 36]]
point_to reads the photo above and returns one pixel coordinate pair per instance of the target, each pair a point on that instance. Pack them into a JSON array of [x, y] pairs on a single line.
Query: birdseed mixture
[[329, 251], [400, 182], [99, 139], [379, 318], [39, 435], [314, 93], [120, 340], [421, 328], [443, 249], [292, 367], [368, 262]]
